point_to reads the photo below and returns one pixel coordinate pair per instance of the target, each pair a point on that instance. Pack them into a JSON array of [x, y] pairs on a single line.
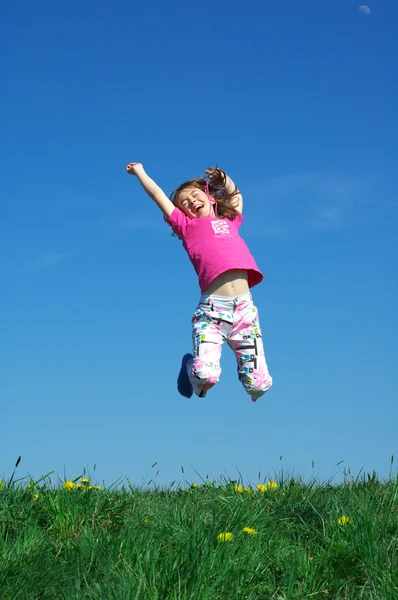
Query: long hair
[[226, 200]]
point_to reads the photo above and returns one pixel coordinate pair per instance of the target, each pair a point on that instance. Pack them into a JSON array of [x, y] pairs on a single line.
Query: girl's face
[[195, 203]]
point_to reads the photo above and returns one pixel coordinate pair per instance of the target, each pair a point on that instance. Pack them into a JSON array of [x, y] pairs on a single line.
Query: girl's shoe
[[183, 384]]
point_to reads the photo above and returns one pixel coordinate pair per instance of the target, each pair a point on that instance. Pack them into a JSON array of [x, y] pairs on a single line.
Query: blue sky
[[298, 103]]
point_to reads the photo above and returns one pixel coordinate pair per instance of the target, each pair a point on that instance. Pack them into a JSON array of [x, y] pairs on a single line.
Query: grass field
[[282, 539]]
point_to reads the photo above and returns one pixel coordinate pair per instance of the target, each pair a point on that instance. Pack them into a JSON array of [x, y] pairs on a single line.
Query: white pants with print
[[235, 320]]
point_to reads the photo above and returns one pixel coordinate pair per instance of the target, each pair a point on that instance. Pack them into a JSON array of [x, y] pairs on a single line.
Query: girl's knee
[[205, 374]]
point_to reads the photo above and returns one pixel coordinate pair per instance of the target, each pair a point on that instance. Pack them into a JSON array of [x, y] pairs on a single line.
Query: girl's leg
[[204, 370], [247, 344]]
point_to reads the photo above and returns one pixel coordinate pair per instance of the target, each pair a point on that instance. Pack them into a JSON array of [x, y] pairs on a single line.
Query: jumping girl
[[206, 214]]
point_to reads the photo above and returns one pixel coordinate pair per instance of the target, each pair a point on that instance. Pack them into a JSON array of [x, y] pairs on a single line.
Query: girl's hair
[[216, 188]]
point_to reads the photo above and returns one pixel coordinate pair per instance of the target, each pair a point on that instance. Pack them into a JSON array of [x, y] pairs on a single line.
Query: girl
[[206, 214]]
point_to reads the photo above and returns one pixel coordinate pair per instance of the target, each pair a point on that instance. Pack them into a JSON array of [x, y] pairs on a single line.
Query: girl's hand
[[214, 174], [134, 168]]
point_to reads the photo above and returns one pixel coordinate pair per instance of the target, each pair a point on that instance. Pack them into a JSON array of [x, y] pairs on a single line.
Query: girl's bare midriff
[[231, 284]]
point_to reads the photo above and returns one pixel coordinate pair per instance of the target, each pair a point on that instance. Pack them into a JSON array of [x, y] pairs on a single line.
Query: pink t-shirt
[[214, 246]]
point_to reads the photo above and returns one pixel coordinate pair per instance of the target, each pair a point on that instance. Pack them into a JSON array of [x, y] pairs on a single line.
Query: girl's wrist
[[140, 172], [230, 185]]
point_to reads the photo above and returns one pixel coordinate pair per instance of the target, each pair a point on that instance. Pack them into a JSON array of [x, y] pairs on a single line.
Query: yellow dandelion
[[194, 485], [272, 485], [79, 486], [97, 487], [261, 487], [248, 490], [226, 536], [249, 530], [238, 488], [2, 484], [89, 488], [68, 485], [85, 480], [35, 497], [343, 520]]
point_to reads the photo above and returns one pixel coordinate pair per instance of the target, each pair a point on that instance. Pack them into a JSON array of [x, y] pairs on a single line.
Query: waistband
[[225, 301]]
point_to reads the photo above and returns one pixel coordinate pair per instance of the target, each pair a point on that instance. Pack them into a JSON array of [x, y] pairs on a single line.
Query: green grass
[[161, 544]]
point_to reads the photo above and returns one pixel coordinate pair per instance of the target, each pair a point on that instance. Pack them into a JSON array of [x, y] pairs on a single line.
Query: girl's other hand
[[134, 168], [215, 174]]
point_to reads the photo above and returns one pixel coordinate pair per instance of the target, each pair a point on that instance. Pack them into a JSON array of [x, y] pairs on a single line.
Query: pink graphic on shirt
[[220, 227]]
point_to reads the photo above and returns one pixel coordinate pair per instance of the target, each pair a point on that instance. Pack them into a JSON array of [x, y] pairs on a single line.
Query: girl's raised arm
[[151, 188]]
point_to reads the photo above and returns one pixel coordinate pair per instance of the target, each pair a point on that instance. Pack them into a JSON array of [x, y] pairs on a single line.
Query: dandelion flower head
[[68, 485], [249, 530], [343, 520], [226, 536]]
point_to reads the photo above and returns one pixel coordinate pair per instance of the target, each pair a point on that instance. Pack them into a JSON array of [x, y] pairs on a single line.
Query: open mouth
[[198, 208]]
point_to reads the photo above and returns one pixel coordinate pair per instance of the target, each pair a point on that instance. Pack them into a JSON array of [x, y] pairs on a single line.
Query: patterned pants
[[218, 319]]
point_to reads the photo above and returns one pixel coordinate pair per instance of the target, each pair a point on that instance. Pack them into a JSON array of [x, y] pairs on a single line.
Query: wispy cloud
[[139, 224], [309, 201], [39, 263], [129, 224]]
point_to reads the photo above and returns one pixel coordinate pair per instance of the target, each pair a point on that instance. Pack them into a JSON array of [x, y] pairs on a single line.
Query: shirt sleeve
[[239, 220], [178, 221]]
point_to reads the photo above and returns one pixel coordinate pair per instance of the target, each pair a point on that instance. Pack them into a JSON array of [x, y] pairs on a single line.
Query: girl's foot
[[183, 384]]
